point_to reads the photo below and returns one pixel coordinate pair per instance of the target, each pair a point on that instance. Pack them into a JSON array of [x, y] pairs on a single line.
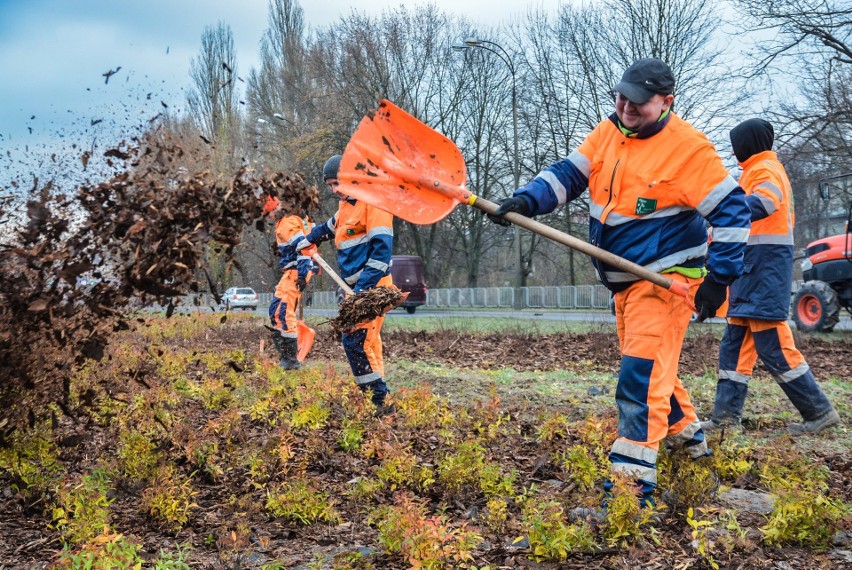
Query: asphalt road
[[599, 316], [530, 314]]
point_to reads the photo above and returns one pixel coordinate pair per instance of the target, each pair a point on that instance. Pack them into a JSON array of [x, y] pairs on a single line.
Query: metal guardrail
[[564, 297]]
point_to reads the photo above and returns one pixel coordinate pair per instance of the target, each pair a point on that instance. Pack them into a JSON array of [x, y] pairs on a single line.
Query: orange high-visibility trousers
[[653, 404], [363, 346], [282, 309]]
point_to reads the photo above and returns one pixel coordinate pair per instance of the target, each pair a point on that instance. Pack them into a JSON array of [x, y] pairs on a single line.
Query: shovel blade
[[401, 165], [305, 340]]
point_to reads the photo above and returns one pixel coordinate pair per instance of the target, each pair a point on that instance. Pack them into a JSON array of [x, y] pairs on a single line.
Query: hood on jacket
[[751, 137]]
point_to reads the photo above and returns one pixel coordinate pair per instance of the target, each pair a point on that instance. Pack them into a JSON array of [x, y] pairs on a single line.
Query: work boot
[[816, 425], [289, 354], [379, 392], [730, 426], [287, 350], [278, 343], [385, 410]]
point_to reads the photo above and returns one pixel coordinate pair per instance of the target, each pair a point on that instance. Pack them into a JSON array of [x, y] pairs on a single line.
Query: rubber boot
[[379, 391], [287, 350], [289, 354]]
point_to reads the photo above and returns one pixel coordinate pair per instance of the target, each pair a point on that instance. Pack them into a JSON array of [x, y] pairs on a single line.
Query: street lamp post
[[500, 52]]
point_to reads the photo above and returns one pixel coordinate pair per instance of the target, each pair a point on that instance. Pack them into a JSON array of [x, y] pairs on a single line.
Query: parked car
[[239, 298], [407, 274]]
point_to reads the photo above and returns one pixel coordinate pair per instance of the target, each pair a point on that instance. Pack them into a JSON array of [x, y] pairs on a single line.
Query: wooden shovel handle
[[676, 287], [337, 279]]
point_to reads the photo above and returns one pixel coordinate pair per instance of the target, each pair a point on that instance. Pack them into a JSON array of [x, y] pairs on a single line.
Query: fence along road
[[589, 303]]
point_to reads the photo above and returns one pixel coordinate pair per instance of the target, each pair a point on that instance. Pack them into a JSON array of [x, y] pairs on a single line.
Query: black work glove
[[517, 204], [301, 283], [709, 297]]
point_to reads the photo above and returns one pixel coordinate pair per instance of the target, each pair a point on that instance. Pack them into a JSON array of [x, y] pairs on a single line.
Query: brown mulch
[[29, 543], [599, 350], [142, 235]]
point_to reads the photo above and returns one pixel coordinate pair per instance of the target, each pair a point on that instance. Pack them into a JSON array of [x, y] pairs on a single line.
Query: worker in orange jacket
[[760, 299], [290, 229], [363, 235], [653, 181]]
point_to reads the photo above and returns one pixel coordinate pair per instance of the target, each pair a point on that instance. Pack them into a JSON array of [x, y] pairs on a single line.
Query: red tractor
[[827, 271]]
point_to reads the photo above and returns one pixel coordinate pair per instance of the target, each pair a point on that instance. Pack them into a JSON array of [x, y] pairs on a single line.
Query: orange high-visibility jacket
[[363, 235], [649, 197], [290, 231], [763, 291]]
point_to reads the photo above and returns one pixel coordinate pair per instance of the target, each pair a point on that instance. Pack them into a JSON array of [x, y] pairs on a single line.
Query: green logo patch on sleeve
[[645, 206]]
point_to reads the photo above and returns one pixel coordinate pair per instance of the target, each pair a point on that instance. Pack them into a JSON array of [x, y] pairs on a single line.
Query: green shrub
[[81, 511], [582, 467], [31, 460], [169, 498], [804, 517], [106, 551], [550, 536], [298, 502], [426, 541], [137, 455]]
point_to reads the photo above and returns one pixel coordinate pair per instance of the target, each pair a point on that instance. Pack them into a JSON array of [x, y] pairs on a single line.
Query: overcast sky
[[53, 54]]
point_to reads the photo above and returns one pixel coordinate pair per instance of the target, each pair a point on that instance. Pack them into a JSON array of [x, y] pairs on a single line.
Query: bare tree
[[799, 27], [807, 44], [280, 104], [212, 99]]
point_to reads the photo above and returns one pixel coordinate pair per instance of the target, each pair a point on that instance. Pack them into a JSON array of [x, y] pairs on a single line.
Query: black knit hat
[[751, 137], [331, 166], [644, 78]]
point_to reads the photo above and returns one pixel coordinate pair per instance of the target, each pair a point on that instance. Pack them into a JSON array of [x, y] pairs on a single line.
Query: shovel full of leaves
[[361, 307]]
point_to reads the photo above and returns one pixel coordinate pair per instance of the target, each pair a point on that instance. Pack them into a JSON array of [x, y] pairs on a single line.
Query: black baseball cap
[[644, 78]]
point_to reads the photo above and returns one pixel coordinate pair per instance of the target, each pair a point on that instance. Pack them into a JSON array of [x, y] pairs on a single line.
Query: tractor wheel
[[410, 310], [815, 307]]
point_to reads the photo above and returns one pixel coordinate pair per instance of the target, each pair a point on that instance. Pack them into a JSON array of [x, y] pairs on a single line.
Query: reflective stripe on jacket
[[363, 235], [649, 198], [763, 291], [289, 232]]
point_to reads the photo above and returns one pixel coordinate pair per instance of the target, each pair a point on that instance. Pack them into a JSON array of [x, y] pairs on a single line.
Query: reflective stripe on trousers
[[746, 340], [653, 404]]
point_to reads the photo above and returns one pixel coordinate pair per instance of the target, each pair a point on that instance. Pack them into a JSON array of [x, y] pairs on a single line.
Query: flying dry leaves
[[71, 266]]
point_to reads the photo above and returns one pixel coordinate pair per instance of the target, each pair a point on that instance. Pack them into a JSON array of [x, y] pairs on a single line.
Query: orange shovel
[[305, 334], [403, 166]]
